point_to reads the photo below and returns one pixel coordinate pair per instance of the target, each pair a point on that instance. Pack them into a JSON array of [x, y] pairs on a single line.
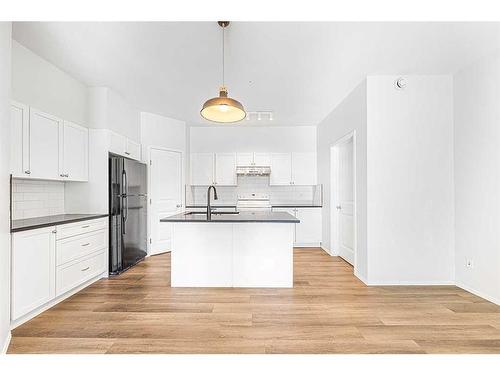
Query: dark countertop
[[305, 205], [48, 221], [242, 217]]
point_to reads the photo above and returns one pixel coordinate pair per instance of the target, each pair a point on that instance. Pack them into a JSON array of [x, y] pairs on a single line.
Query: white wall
[[477, 177], [253, 139], [40, 84], [349, 115], [108, 110], [410, 208], [5, 92]]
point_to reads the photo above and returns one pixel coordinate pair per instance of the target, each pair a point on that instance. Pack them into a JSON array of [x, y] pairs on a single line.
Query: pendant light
[[223, 108]]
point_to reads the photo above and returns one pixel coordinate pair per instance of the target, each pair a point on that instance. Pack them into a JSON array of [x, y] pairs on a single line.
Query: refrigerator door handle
[[124, 200]]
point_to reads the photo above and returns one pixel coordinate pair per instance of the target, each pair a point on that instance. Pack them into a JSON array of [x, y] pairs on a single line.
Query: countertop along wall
[[477, 177]]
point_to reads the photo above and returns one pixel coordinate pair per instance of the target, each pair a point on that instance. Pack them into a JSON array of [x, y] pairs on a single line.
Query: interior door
[[45, 145], [345, 202], [166, 196], [225, 169], [75, 154]]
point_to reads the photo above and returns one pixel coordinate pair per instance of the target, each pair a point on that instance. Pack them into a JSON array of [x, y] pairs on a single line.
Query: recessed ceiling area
[[298, 70]]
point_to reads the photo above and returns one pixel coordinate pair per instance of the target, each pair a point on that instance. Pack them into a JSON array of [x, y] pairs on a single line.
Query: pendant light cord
[[223, 67]]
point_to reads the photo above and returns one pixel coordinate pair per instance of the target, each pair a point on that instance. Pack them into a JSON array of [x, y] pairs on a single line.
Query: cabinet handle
[[62, 174], [178, 205], [127, 153], [86, 244], [54, 231], [85, 269], [27, 172], [85, 226]]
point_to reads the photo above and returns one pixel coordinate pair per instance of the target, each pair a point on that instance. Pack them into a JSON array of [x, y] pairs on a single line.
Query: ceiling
[[298, 70]]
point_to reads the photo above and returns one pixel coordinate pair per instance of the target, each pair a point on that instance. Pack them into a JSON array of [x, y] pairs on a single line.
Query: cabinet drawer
[[78, 246], [81, 227], [72, 275]]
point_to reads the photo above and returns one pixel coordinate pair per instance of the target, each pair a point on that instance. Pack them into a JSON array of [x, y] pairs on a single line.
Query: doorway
[[165, 196], [343, 198]]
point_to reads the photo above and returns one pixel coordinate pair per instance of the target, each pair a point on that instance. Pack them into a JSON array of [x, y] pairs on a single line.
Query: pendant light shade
[[222, 108]]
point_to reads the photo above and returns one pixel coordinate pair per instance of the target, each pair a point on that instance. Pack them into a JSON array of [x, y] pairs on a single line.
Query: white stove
[[253, 202]]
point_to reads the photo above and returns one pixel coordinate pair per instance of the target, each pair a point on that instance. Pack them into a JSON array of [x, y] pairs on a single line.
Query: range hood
[[253, 170]]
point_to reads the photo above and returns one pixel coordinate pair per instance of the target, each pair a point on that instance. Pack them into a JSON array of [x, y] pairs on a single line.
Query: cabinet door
[[45, 144], [262, 159], [225, 169], [33, 270], [202, 169], [281, 169], [75, 152], [117, 144], [244, 159], [19, 136], [304, 168], [308, 231], [133, 150]]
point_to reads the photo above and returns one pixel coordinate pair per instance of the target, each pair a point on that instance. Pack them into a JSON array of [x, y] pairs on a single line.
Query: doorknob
[[178, 205], [338, 207]]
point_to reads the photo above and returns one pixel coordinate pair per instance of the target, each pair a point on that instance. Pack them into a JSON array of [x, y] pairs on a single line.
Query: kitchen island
[[246, 249]]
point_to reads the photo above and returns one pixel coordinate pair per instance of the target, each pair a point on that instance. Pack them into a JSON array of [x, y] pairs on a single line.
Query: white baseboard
[[6, 344], [487, 297], [326, 250], [311, 244], [406, 282], [362, 278]]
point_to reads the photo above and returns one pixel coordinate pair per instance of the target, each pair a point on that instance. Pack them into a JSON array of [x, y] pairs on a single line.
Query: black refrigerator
[[127, 213]]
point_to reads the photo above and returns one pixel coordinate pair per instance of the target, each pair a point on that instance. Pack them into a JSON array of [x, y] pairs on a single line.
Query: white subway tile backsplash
[[34, 198], [255, 184]]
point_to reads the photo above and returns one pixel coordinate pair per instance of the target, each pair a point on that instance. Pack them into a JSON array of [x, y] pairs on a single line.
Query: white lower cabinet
[[33, 270], [71, 275], [309, 231], [48, 263]]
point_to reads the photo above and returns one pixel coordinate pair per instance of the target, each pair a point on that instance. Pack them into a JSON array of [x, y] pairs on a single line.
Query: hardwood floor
[[328, 311]]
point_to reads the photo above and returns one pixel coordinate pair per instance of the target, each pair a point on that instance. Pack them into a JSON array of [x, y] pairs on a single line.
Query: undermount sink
[[213, 213]]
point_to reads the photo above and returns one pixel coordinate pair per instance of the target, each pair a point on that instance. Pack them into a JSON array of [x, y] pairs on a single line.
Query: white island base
[[211, 254]]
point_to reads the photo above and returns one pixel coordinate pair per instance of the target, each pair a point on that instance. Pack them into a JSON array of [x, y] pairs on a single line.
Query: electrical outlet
[[469, 263]]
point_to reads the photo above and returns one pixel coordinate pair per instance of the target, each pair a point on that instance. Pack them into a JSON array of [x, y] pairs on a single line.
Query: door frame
[[334, 192], [183, 195]]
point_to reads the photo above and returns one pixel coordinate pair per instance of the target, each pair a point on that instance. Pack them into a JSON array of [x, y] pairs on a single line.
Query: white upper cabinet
[[202, 169], [75, 152], [121, 145], [45, 143], [281, 169], [225, 169], [133, 150], [262, 159], [304, 168], [19, 136], [245, 159], [46, 147]]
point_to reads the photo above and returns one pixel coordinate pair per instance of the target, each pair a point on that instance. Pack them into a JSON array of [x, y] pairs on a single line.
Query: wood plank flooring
[[328, 311]]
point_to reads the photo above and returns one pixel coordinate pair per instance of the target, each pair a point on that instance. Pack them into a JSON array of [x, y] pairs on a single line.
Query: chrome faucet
[[209, 208]]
